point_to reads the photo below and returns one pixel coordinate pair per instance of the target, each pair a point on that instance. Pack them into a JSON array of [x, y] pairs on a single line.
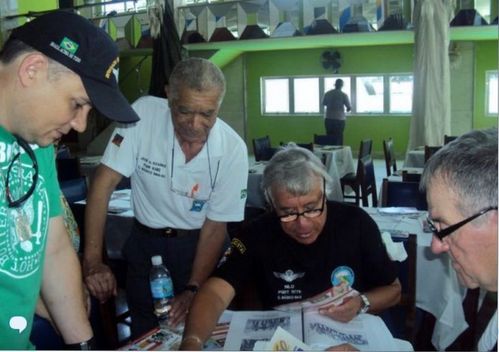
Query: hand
[[100, 280], [180, 307], [342, 347], [345, 311], [191, 343]]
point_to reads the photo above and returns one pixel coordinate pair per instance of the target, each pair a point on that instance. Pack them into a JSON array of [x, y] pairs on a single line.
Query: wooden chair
[[429, 150], [367, 181], [390, 160], [410, 177], [402, 194], [448, 139], [352, 179], [262, 148], [323, 139]]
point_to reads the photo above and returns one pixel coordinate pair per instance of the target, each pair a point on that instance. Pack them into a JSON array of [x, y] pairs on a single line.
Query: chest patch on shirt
[[117, 139], [288, 275], [342, 275]]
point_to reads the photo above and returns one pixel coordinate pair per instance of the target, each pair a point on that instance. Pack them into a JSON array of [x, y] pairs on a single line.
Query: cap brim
[[109, 101]]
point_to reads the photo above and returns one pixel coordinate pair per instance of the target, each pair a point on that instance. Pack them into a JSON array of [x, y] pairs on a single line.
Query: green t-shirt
[[23, 236]]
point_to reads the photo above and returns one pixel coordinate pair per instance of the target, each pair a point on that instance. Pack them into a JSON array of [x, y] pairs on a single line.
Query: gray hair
[[198, 74], [468, 165], [295, 169]]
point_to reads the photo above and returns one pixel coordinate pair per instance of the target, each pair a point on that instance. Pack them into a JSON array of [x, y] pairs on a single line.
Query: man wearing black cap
[[53, 70]]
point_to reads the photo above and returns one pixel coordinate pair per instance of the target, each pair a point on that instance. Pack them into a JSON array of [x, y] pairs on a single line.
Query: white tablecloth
[[437, 288], [414, 158]]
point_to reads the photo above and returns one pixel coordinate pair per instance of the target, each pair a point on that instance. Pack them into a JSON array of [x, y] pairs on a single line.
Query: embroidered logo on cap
[[68, 48], [69, 45]]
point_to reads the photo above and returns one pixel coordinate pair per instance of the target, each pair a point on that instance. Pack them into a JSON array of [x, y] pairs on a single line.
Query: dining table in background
[[414, 158]]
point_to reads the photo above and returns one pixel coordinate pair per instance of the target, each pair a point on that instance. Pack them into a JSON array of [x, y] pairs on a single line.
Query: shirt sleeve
[[237, 264]]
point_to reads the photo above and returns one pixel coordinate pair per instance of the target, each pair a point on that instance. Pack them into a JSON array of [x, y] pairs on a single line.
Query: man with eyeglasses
[[53, 70], [302, 248], [188, 172], [461, 188]]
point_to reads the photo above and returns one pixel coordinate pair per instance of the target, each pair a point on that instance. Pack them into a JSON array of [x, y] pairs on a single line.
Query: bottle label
[[162, 288]]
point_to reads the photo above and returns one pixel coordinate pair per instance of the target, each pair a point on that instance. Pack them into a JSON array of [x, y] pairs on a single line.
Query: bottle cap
[[156, 260]]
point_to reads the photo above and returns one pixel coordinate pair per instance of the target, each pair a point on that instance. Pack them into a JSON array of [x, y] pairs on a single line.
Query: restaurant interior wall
[[355, 60]]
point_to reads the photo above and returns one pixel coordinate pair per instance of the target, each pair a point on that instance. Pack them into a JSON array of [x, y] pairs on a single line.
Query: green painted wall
[[485, 60], [355, 60]]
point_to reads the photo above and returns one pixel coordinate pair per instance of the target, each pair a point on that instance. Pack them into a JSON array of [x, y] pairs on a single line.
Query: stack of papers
[[398, 210]]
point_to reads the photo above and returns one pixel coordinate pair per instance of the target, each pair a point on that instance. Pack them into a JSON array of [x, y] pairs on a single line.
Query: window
[[306, 95], [492, 92], [382, 94], [276, 95], [125, 6], [369, 94], [401, 94]]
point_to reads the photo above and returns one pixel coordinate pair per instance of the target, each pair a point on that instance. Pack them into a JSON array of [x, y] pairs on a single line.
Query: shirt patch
[[117, 139], [342, 274], [237, 244], [197, 205], [289, 275], [244, 193]]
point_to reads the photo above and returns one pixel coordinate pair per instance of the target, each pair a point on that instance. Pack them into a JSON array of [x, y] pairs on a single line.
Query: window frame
[[352, 94], [488, 74]]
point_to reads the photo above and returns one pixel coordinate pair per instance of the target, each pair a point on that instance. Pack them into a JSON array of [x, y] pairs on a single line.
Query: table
[[415, 158], [437, 288], [339, 160]]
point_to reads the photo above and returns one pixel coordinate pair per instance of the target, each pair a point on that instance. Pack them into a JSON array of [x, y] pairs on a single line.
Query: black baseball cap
[[87, 50]]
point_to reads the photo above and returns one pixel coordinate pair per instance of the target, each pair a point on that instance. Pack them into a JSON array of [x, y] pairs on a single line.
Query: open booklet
[[365, 332], [302, 320]]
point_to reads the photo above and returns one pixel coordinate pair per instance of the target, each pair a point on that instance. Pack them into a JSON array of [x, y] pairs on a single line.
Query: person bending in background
[[461, 188], [53, 70], [302, 243], [335, 102], [188, 172]]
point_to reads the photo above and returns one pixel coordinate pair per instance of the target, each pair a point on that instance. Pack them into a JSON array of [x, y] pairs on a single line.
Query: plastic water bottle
[[161, 289]]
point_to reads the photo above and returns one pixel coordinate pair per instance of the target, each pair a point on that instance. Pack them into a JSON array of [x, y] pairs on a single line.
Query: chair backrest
[[390, 160], [402, 194], [366, 147], [401, 318], [367, 180], [262, 148], [323, 139], [429, 150], [68, 169], [448, 139], [75, 189]]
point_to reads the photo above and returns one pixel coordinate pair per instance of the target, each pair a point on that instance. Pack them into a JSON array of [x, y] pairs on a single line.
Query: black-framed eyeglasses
[[14, 203], [309, 214], [448, 230]]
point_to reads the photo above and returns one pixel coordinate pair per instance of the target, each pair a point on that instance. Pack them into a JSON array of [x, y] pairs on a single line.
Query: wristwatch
[[82, 346], [365, 304], [193, 288]]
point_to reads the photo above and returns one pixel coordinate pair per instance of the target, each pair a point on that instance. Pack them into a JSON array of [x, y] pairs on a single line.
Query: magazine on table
[[302, 320]]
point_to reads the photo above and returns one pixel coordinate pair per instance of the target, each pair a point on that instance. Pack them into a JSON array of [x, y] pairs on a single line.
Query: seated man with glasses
[[461, 188], [298, 250], [188, 171]]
